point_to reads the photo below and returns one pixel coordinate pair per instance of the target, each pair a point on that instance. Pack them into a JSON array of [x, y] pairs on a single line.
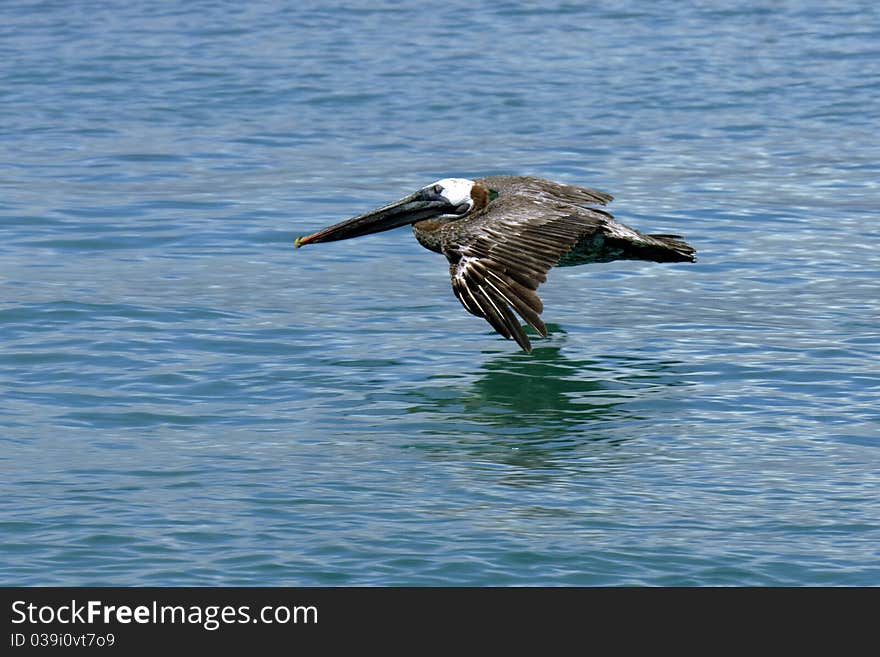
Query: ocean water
[[187, 400]]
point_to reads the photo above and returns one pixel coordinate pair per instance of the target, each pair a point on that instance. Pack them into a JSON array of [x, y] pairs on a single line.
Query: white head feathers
[[456, 190]]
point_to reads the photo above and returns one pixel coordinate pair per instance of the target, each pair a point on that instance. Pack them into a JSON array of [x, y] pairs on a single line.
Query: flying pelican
[[502, 234]]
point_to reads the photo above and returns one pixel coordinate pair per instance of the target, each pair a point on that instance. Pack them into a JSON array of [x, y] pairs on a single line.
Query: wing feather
[[498, 259]]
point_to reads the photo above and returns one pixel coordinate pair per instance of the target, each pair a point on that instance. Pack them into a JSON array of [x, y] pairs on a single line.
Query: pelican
[[502, 234]]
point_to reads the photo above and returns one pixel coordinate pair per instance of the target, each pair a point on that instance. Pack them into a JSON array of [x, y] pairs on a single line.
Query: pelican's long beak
[[424, 204]]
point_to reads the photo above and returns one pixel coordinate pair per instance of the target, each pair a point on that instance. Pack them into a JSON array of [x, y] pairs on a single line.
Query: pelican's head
[[457, 191], [446, 199]]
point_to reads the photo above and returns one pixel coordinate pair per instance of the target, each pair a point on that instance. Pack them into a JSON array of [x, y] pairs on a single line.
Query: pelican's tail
[[667, 248]]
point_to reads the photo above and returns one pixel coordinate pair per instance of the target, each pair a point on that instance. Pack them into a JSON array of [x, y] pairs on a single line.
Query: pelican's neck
[[427, 232]]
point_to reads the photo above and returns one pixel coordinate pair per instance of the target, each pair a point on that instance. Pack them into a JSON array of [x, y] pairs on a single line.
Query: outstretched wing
[[498, 260]]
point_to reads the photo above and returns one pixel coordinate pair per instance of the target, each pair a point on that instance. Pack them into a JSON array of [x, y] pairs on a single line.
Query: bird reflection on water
[[541, 410]]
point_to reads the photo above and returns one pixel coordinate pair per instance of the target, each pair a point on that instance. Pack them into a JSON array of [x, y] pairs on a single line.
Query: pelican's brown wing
[[498, 259]]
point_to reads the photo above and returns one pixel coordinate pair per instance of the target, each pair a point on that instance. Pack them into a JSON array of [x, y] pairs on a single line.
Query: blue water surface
[[187, 400]]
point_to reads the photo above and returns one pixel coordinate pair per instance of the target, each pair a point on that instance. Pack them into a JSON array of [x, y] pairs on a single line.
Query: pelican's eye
[[437, 189]]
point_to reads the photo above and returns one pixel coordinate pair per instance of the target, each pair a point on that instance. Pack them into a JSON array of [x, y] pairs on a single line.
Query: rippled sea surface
[[187, 400]]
